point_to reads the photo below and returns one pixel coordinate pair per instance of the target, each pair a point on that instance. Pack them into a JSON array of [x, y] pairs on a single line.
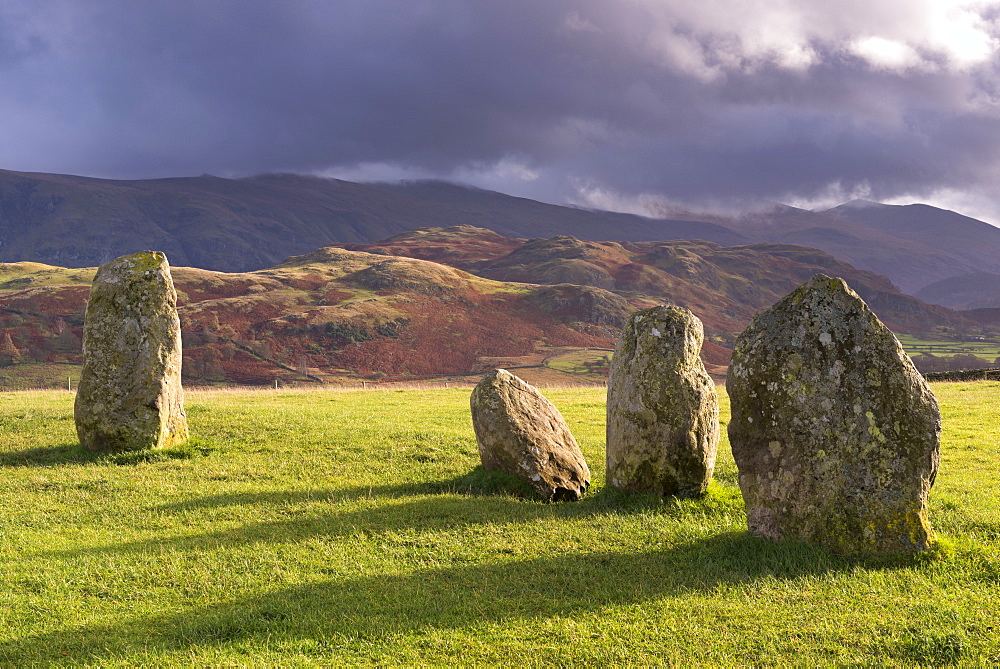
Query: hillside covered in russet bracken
[[438, 302], [724, 285], [330, 313]]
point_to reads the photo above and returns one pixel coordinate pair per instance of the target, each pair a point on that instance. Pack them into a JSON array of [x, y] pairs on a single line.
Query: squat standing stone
[[130, 395], [834, 431], [522, 433], [663, 409]]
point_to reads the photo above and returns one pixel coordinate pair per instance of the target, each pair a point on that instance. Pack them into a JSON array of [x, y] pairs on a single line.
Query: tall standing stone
[[522, 433], [663, 409], [130, 395], [834, 431]]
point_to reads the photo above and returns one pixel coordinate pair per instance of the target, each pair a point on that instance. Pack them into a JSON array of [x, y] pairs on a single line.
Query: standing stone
[[522, 433], [663, 409], [130, 394], [834, 431]]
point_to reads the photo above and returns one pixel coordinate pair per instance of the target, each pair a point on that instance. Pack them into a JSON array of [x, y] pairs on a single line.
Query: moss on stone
[[522, 433], [857, 426], [662, 411], [130, 395]]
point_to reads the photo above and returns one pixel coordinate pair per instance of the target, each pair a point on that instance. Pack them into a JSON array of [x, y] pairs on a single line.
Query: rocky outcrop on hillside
[[403, 274], [561, 259], [583, 303]]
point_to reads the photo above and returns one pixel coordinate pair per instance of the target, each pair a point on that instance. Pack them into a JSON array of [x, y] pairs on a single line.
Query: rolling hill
[[240, 225], [943, 244], [978, 290], [329, 313], [435, 302], [724, 285]]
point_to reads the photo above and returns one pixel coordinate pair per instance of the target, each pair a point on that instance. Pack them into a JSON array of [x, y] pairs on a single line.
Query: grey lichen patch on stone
[[834, 432], [522, 433], [663, 408], [130, 395]]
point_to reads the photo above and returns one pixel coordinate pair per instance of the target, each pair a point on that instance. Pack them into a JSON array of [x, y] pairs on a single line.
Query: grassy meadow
[[354, 527], [988, 351]]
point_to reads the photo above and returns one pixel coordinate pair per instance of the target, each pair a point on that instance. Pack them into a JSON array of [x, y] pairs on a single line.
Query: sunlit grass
[[29, 375], [355, 527], [575, 362]]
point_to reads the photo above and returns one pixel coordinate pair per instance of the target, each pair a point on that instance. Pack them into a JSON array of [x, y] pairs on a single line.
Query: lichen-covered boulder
[[834, 431], [130, 394], [522, 433], [663, 409]]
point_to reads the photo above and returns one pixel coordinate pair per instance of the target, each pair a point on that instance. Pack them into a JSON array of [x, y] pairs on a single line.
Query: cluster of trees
[[600, 366]]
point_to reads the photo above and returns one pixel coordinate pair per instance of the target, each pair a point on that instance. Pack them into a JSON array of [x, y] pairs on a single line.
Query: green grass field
[[353, 527], [914, 345], [30, 375], [573, 362]]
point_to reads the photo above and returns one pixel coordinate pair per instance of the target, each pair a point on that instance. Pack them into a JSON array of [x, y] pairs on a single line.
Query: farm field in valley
[[588, 361], [550, 366], [916, 344], [348, 526]]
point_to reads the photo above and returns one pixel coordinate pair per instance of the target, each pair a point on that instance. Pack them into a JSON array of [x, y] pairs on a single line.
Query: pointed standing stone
[[663, 409], [522, 433], [834, 431], [130, 394]]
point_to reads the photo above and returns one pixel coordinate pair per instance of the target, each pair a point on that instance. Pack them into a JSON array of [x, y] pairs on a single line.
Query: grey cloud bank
[[604, 104]]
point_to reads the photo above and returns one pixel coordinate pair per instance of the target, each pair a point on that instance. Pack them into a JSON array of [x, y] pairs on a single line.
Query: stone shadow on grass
[[477, 483], [73, 453], [285, 497], [383, 512], [357, 616], [481, 482], [395, 509], [48, 456]]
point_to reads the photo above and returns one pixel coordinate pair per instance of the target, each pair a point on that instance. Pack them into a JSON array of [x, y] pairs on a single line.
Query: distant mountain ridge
[[978, 290], [520, 217], [237, 225], [877, 238], [246, 224]]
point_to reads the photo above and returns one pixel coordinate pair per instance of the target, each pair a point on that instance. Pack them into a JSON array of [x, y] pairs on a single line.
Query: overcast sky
[[626, 104]]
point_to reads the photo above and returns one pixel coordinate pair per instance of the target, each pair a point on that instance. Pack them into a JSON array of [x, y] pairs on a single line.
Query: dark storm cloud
[[691, 100], [244, 86]]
